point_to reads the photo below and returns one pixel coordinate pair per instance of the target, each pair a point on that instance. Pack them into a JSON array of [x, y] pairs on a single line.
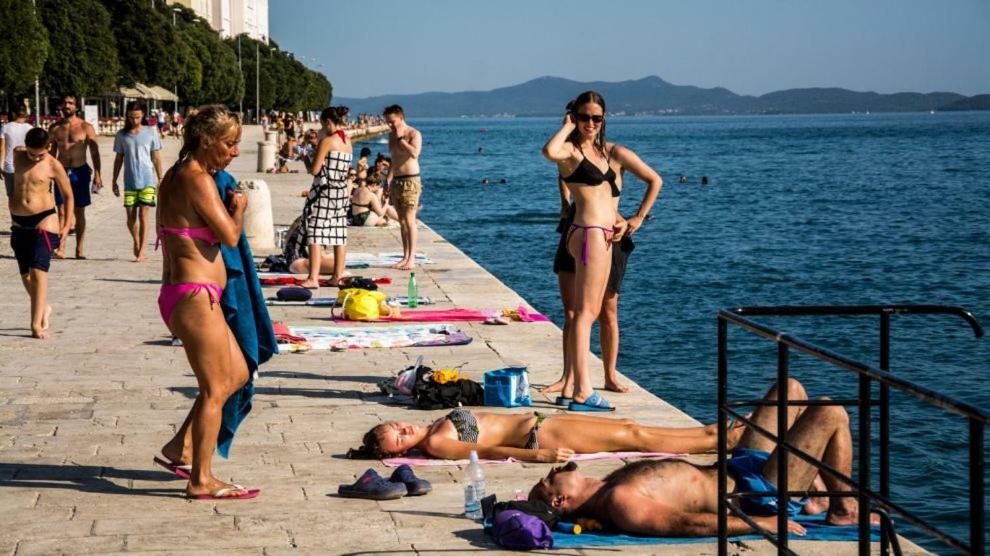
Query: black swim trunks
[[564, 262], [33, 248]]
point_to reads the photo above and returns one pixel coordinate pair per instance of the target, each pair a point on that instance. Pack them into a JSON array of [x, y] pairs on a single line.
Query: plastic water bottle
[[474, 488], [412, 291]]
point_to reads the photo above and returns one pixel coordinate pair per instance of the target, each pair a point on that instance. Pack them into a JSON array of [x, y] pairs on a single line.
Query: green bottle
[[412, 291]]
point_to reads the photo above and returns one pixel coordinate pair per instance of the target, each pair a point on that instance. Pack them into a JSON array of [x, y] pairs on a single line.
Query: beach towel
[[416, 459], [243, 306], [814, 524], [340, 338], [460, 315], [278, 279], [332, 301]]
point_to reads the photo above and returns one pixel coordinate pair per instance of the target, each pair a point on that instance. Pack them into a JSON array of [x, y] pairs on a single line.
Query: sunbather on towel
[[678, 499], [533, 437]]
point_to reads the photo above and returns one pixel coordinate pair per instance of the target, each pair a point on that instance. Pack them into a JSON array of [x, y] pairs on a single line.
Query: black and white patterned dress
[[325, 213]]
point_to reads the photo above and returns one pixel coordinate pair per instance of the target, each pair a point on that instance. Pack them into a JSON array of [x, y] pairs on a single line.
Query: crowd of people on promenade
[[211, 300]]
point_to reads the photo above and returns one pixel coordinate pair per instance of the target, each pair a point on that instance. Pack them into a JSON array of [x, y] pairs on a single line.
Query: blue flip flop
[[562, 401], [372, 486], [595, 402]]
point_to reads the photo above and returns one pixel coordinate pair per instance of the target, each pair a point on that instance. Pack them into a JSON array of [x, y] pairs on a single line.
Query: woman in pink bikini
[[192, 223], [590, 169]]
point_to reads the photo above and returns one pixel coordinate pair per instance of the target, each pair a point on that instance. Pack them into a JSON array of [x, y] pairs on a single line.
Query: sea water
[[799, 210]]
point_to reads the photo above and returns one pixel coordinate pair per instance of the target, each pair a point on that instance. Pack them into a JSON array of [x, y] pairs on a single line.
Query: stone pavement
[[82, 414]]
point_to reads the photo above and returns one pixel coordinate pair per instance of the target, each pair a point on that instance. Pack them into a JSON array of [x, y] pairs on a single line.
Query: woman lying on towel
[[535, 437]]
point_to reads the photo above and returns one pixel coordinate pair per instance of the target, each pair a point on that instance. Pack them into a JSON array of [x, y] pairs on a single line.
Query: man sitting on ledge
[[677, 499]]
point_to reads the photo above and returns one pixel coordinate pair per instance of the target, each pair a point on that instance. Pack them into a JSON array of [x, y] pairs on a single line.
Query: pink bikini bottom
[[171, 294]]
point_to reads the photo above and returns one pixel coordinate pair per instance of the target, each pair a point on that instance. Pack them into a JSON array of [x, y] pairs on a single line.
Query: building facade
[[232, 17]]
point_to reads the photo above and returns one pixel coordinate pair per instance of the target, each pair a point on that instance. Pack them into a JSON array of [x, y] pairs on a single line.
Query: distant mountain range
[[546, 96]]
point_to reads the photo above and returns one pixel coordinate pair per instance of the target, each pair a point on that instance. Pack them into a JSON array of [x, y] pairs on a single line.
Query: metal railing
[[868, 499]]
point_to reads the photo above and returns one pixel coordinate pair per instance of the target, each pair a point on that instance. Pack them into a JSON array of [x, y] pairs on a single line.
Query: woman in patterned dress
[[325, 213]]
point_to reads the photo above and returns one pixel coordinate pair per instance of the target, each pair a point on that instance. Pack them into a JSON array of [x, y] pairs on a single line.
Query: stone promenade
[[82, 414]]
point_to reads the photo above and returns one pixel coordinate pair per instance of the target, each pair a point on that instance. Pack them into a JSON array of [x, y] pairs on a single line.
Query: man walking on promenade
[[37, 231], [71, 138], [13, 137], [404, 144]]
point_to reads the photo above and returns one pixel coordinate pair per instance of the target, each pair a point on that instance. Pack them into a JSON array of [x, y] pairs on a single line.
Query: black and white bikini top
[[587, 173]]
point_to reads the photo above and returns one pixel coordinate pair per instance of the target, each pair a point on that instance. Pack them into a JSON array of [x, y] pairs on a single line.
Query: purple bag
[[520, 531]]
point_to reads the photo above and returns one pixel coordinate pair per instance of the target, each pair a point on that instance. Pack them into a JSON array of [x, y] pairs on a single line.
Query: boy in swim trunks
[[405, 145], [675, 498], [37, 231]]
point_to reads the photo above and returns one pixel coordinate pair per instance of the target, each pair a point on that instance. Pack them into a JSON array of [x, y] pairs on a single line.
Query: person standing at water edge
[[620, 159], [192, 223], [12, 137], [72, 137], [404, 144], [325, 212], [37, 231], [138, 149], [581, 153]]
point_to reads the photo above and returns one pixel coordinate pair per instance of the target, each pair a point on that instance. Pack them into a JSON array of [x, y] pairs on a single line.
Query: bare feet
[[60, 253], [613, 385], [553, 388], [139, 258], [46, 321], [849, 517], [406, 266], [310, 284], [80, 256], [400, 264], [39, 333]]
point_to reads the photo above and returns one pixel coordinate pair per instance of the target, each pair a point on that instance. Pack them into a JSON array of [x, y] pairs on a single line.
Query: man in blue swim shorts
[[72, 137], [678, 499], [138, 153]]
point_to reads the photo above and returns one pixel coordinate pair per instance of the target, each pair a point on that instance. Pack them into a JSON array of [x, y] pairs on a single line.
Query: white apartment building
[[232, 17]]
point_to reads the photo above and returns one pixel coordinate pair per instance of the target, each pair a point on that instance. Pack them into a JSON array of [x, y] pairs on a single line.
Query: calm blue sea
[[834, 209]]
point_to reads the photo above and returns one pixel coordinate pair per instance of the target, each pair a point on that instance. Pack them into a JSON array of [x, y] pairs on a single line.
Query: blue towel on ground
[[814, 524], [244, 309]]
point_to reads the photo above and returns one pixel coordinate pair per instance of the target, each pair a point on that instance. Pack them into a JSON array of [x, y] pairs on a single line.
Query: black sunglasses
[[589, 118]]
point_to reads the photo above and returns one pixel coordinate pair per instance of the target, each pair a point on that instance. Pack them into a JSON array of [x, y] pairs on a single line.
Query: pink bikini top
[[202, 233]]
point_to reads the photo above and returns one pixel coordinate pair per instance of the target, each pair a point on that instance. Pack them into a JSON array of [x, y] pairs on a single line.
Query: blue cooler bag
[[507, 387]]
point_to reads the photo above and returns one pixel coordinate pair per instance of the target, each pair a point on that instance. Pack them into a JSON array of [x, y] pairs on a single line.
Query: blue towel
[[814, 524], [244, 309]]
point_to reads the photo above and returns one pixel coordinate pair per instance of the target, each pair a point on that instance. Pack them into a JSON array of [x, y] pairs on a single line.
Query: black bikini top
[[588, 174]]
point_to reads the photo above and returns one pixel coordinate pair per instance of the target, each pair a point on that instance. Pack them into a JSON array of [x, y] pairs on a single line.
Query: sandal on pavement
[[224, 494], [414, 485], [594, 402], [372, 486], [183, 471]]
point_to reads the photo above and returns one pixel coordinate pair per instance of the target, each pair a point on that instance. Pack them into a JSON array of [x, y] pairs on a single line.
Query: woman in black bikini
[[564, 266], [533, 437], [587, 166]]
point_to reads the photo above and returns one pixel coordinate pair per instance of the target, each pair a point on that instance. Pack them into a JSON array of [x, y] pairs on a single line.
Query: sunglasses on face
[[582, 117]]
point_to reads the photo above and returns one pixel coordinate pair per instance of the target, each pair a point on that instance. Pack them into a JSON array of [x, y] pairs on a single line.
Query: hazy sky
[[748, 46]]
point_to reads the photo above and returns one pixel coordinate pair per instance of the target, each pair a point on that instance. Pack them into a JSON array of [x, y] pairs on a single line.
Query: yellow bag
[[443, 376], [359, 304]]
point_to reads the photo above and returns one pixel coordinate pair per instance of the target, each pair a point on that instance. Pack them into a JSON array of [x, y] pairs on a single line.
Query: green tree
[[249, 58], [221, 79], [83, 56], [24, 47], [145, 43]]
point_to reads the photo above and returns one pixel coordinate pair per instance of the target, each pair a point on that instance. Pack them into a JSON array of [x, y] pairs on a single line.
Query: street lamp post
[[175, 11], [257, 80], [37, 86], [239, 69]]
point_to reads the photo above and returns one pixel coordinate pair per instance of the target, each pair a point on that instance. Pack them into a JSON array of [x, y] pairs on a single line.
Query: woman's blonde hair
[[207, 125]]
